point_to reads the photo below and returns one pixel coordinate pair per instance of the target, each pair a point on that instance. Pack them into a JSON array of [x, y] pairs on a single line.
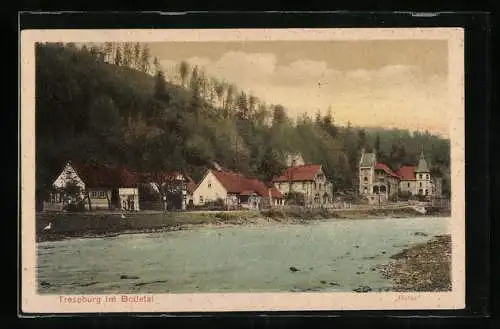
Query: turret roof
[[422, 165]]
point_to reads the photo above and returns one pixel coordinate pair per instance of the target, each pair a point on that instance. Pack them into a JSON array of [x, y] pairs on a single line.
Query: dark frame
[[477, 84]]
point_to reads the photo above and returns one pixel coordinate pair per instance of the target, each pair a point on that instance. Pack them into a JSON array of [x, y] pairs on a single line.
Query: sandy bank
[[424, 267]]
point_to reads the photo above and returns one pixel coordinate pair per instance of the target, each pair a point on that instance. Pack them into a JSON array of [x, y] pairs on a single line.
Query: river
[[336, 255]]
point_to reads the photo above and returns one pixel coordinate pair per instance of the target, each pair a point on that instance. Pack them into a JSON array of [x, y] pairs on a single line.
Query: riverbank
[[91, 225], [424, 267]]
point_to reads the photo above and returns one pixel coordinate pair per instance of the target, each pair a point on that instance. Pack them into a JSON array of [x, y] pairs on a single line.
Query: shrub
[[273, 213], [405, 196], [295, 198]]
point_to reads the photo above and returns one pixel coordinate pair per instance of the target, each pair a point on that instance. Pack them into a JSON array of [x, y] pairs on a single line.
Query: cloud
[[394, 95], [199, 61]]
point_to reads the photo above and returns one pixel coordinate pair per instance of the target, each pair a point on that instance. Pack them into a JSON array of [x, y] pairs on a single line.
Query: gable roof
[[236, 183], [104, 176], [406, 172], [386, 169], [298, 173], [367, 160]]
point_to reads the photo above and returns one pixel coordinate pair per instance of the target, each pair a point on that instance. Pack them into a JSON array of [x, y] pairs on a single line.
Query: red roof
[[386, 169], [275, 193], [298, 173], [238, 184], [105, 177], [407, 172]]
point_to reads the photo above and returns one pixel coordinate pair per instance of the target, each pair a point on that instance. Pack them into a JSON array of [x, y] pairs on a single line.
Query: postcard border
[[27, 199]]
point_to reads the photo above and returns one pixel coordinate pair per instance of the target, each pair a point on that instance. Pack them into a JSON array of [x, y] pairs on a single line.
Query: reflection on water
[[337, 255]]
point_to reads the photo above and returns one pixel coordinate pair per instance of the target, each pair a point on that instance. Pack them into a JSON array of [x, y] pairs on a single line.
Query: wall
[[209, 189], [98, 199], [129, 193], [423, 184], [369, 174], [403, 186]]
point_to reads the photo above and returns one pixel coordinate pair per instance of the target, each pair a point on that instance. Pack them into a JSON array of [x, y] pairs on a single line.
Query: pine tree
[[118, 56]]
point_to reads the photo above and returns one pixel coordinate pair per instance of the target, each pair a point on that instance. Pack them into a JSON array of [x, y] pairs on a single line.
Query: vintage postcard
[[242, 170]]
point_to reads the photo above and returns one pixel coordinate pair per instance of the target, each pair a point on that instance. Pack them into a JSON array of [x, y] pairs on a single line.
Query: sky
[[387, 83]]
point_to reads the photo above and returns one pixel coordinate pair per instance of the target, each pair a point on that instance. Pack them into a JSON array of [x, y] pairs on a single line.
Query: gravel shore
[[424, 267]]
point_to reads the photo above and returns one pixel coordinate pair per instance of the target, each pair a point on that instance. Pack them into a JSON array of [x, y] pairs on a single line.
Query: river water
[[336, 255]]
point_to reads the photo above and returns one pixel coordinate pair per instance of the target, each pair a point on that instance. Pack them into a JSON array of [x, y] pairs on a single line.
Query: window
[[427, 176], [209, 185], [426, 192], [420, 176], [201, 198], [303, 185], [408, 184], [101, 194], [420, 184], [93, 194], [365, 179]]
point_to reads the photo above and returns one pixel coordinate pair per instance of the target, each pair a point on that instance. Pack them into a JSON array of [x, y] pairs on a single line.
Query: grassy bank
[[424, 267], [69, 225]]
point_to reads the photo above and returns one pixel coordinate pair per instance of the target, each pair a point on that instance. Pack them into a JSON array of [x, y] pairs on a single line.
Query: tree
[[108, 51], [137, 56], [183, 72], [376, 145], [220, 89], [272, 164], [156, 65], [144, 61], [242, 105], [361, 139], [230, 91], [118, 57], [194, 82], [161, 92], [279, 115], [127, 54], [317, 118]]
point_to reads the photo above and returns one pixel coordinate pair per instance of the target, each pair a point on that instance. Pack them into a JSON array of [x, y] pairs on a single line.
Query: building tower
[[423, 177], [366, 172]]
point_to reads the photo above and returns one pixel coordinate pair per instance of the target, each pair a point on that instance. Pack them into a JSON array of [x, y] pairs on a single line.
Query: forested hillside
[[112, 104]]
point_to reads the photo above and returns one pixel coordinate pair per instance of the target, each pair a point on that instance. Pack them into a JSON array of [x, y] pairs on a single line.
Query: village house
[[377, 182], [307, 179], [235, 190], [94, 187]]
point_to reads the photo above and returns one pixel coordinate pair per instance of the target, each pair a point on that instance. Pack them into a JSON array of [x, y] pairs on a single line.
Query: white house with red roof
[[418, 179], [235, 189], [96, 187], [308, 179], [377, 182]]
